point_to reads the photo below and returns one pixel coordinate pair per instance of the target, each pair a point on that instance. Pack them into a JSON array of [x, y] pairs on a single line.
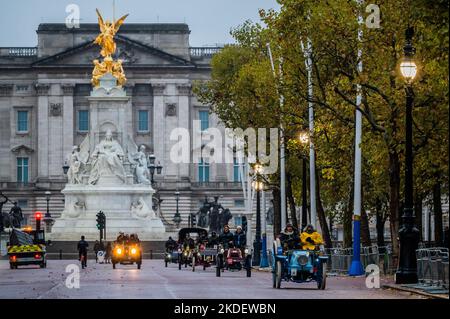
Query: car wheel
[[278, 275]]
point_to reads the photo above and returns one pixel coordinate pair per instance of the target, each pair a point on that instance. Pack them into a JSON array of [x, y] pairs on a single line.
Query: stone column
[[6, 92], [68, 119], [42, 91], [184, 94], [158, 123]]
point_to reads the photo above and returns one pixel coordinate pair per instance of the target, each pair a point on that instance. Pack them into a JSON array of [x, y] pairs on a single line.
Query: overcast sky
[[209, 20]]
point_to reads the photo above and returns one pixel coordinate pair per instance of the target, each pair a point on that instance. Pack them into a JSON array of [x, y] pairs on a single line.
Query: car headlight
[[246, 250], [133, 251], [303, 260], [118, 251]]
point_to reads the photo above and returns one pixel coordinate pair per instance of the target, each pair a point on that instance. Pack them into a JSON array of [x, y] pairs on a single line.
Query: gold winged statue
[[106, 40], [108, 30]]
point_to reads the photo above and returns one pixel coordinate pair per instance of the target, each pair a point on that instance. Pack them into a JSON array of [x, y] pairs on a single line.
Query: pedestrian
[[108, 253], [96, 250], [82, 251]]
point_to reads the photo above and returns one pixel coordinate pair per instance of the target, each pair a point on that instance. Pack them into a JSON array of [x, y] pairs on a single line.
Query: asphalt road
[[156, 281]]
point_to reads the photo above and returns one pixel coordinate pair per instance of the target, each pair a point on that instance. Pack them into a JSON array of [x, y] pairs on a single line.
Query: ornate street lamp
[[65, 167], [177, 217], [152, 167], [304, 140], [408, 233], [258, 186], [48, 220]]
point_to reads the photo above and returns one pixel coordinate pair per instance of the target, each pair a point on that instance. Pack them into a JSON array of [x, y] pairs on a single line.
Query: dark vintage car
[[233, 259], [189, 250], [126, 253]]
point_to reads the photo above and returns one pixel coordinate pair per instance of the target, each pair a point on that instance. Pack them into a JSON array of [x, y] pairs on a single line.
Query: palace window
[[83, 120], [203, 171], [22, 121], [143, 121], [237, 177], [204, 120], [22, 169]]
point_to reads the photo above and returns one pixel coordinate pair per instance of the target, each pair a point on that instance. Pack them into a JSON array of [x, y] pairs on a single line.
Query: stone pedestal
[[127, 205], [128, 208]]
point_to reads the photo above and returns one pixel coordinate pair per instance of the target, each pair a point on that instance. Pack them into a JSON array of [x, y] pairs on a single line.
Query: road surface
[[156, 281]]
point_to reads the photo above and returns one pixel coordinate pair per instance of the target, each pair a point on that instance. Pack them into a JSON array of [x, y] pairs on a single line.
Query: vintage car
[[233, 259], [126, 252], [188, 252], [298, 266], [207, 256], [171, 256]]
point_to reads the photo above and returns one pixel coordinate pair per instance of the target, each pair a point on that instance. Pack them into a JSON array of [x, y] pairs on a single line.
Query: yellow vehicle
[[126, 252], [27, 247]]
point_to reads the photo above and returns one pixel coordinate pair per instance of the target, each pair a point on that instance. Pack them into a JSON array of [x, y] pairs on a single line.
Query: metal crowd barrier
[[432, 267], [340, 259]]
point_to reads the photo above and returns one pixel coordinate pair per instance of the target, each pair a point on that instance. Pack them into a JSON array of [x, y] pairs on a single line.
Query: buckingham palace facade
[[44, 112]]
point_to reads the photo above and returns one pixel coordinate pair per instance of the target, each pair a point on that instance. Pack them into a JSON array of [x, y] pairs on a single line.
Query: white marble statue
[[74, 172], [107, 160], [141, 210], [139, 159]]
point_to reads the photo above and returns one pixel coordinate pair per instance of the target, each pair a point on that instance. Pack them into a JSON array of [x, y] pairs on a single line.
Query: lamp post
[[177, 217], [47, 198], [153, 168], [257, 185], [48, 220], [304, 140], [408, 233]]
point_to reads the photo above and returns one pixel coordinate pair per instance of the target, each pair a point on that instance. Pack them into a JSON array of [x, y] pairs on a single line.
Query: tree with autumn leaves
[[244, 92]]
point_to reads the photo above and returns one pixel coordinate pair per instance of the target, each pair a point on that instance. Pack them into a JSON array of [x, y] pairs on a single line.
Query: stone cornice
[[158, 88], [184, 89], [6, 89], [42, 89], [67, 89]]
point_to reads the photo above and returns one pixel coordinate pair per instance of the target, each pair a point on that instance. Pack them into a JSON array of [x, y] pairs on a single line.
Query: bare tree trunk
[[276, 212], [321, 214], [380, 223], [291, 201], [437, 211], [394, 202]]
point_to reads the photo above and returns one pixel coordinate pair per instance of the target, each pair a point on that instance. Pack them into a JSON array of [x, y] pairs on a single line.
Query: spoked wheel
[[277, 275], [248, 262], [322, 283], [219, 266]]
